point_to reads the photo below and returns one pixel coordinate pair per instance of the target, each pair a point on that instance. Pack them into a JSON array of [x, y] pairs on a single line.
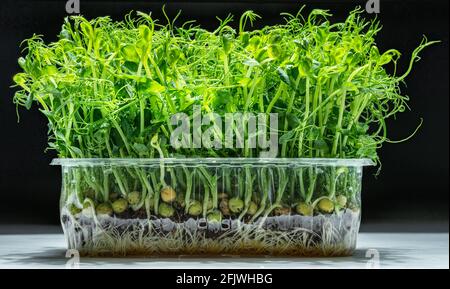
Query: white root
[[325, 236]]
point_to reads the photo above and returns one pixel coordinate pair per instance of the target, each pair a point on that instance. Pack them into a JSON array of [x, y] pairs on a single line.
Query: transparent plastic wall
[[154, 207]]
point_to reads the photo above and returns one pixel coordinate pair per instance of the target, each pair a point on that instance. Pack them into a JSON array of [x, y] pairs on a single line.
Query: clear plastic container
[[159, 207]]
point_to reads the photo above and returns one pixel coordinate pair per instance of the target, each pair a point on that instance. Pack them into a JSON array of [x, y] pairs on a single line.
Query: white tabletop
[[375, 250]]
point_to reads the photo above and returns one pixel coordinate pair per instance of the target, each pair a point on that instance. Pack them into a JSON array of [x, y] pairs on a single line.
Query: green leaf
[[140, 148], [366, 147], [261, 54], [174, 55], [155, 88], [227, 43], [350, 86], [321, 145], [64, 34], [283, 75], [50, 70], [76, 151], [129, 53], [302, 44], [293, 120], [244, 81], [374, 52], [313, 133], [29, 101], [275, 37], [19, 79], [254, 43], [274, 51], [60, 136], [22, 62], [387, 57], [221, 98], [251, 62], [305, 67], [285, 138], [245, 39], [145, 33], [292, 72], [87, 29]]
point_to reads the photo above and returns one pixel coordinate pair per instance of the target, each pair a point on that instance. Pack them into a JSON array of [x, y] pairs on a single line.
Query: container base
[[295, 235]]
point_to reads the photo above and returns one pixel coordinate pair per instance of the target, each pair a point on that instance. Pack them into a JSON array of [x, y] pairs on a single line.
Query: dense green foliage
[[108, 88]]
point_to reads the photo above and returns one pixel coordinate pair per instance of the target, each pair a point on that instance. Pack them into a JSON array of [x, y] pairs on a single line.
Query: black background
[[410, 194]]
